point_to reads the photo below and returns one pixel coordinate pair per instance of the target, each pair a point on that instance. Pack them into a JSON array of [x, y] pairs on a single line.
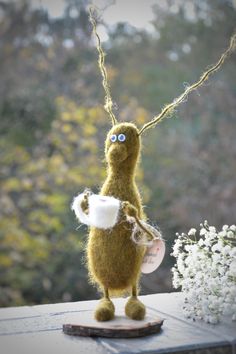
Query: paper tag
[[153, 257]]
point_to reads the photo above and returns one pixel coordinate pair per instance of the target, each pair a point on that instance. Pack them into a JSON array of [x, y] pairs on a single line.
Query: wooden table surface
[[38, 329]]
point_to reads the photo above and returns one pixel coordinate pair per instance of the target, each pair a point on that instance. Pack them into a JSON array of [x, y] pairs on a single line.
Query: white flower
[[176, 278], [215, 247], [192, 232], [187, 248], [176, 248], [212, 229], [207, 242], [218, 246], [233, 227], [230, 234], [223, 233], [226, 250], [211, 235], [206, 271], [232, 291], [232, 268], [201, 242], [203, 232], [233, 252]]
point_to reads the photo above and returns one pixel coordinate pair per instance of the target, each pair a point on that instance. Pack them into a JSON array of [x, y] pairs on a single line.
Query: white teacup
[[103, 210]]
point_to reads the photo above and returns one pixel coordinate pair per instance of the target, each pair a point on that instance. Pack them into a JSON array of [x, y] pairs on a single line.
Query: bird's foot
[[105, 310], [135, 309]]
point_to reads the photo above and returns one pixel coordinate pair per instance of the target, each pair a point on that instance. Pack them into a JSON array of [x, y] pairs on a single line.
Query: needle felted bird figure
[[114, 260]]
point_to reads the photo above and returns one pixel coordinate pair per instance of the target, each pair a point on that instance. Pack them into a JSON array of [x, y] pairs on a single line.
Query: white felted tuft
[[103, 211], [76, 207]]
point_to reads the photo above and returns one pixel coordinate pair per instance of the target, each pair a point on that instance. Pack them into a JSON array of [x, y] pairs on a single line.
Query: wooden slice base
[[120, 327]]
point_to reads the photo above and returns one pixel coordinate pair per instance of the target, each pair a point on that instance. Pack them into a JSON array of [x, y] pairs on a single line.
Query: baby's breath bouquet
[[206, 272]]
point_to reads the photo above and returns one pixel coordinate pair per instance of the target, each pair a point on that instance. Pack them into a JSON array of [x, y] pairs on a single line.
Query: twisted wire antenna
[[101, 63], [204, 77]]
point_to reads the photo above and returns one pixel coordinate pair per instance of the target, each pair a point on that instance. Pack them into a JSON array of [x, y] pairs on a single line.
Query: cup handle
[[76, 207]]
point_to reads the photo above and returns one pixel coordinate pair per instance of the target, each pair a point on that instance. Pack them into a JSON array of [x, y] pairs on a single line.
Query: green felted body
[[114, 260]]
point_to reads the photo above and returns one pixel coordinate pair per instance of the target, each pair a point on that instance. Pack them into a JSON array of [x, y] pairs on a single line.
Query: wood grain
[[115, 330]]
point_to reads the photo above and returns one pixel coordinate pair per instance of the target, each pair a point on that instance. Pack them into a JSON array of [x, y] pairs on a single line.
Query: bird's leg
[[105, 309], [134, 308], [134, 291]]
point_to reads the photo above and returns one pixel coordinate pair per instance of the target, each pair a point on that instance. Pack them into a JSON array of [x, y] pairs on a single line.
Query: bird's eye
[[113, 138], [121, 137]]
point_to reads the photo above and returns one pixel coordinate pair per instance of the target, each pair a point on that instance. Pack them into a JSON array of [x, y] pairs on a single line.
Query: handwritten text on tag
[[153, 257]]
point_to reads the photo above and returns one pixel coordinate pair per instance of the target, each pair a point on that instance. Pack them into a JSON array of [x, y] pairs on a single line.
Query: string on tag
[[142, 233]]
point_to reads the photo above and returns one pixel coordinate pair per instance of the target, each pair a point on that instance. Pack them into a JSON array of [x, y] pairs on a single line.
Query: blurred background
[[53, 126]]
